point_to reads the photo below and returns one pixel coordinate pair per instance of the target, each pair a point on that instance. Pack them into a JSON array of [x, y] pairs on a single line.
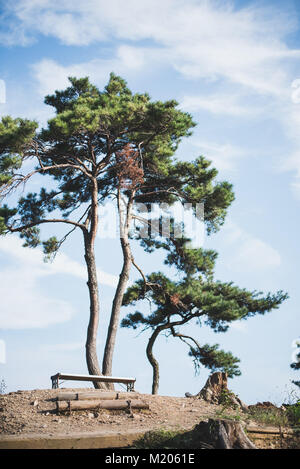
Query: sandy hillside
[[34, 412], [31, 414]]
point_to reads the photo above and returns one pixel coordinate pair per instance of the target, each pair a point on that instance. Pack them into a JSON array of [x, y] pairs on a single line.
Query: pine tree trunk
[[115, 313], [91, 341], [149, 351], [153, 361], [124, 222]]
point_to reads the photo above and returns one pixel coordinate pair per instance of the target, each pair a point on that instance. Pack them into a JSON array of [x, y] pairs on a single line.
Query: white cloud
[[22, 303], [219, 104], [242, 49], [295, 186], [61, 265], [107, 279], [257, 255], [65, 347], [218, 42], [23, 306], [51, 76], [205, 38], [290, 119], [224, 156], [249, 253], [239, 326]]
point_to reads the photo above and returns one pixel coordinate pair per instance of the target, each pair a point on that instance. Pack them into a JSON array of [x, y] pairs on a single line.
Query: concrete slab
[[71, 441]]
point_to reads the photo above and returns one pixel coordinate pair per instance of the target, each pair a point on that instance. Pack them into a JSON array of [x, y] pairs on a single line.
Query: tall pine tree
[[101, 144]]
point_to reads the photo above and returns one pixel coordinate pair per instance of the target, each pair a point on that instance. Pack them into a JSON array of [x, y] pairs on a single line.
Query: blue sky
[[235, 66]]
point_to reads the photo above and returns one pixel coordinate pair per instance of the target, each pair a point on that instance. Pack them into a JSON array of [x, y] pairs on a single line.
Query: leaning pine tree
[[195, 299], [100, 144]]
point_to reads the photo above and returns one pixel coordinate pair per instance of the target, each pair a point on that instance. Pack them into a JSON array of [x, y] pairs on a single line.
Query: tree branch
[[40, 222]]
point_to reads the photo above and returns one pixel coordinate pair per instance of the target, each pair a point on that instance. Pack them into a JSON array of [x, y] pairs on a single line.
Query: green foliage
[[269, 416], [296, 365], [31, 236], [133, 320], [189, 261], [293, 413], [226, 399], [157, 439], [15, 137], [82, 141], [5, 214], [216, 360], [83, 110], [31, 209], [217, 303], [195, 182], [165, 439], [50, 248], [288, 415], [221, 414]]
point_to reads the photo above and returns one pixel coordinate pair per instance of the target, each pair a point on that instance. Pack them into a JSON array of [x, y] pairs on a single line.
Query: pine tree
[[101, 144], [197, 299]]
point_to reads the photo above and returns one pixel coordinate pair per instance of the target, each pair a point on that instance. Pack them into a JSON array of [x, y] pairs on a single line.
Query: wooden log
[[82, 396], [127, 395], [67, 396], [74, 396], [115, 404]]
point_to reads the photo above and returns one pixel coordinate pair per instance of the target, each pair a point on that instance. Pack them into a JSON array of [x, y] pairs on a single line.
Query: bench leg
[[55, 383], [130, 387]]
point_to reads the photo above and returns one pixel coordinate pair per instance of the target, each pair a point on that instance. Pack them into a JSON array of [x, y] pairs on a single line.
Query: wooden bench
[[95, 378]]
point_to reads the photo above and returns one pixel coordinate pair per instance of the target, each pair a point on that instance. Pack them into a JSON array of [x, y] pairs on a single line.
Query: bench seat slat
[[94, 378], [108, 379]]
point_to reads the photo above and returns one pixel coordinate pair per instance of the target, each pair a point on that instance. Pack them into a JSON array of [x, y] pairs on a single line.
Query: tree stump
[[223, 434], [216, 391], [215, 385]]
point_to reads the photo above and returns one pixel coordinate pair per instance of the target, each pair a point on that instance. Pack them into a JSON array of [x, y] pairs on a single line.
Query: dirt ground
[[33, 412], [27, 413]]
